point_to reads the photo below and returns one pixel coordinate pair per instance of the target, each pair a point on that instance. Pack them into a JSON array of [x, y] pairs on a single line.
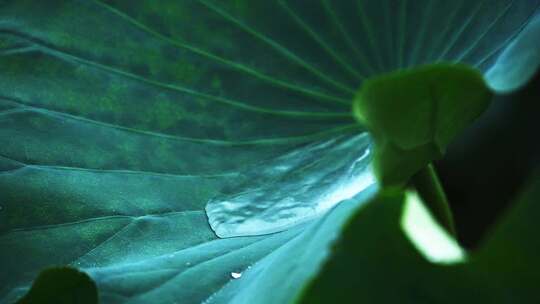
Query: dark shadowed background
[[486, 166]]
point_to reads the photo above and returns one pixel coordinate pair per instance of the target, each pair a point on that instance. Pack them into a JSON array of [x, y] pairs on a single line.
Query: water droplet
[[236, 275], [256, 207]]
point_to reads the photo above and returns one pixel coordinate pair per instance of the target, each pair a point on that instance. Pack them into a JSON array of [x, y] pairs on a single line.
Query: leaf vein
[[233, 64]]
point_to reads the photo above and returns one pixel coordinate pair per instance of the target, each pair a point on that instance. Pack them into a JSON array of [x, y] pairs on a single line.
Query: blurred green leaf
[[384, 266], [61, 285], [414, 114]]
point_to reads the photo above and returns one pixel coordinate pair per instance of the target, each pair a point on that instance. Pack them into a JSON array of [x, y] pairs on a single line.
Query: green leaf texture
[[121, 120]]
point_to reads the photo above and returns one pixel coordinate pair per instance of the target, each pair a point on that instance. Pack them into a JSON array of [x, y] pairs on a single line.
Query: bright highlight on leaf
[[383, 266], [294, 188], [507, 73], [431, 240], [236, 275]]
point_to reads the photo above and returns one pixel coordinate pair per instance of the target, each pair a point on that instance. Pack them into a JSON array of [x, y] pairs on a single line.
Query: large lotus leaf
[[385, 266], [121, 120]]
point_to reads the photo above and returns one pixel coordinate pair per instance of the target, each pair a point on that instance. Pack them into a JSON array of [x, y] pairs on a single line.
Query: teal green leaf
[[122, 123], [414, 114], [62, 285], [519, 61], [385, 266]]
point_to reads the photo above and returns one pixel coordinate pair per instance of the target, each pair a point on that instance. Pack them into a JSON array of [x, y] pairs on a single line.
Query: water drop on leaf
[[236, 275]]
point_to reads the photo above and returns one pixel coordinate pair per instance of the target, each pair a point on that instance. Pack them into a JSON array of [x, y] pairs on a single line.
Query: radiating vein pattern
[[135, 134]]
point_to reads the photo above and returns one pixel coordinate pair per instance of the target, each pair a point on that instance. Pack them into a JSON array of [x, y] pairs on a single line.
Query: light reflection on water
[[294, 188]]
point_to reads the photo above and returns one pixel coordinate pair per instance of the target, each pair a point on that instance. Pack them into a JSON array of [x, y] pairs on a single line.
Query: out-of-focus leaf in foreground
[[368, 266], [123, 124], [62, 285], [414, 114]]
